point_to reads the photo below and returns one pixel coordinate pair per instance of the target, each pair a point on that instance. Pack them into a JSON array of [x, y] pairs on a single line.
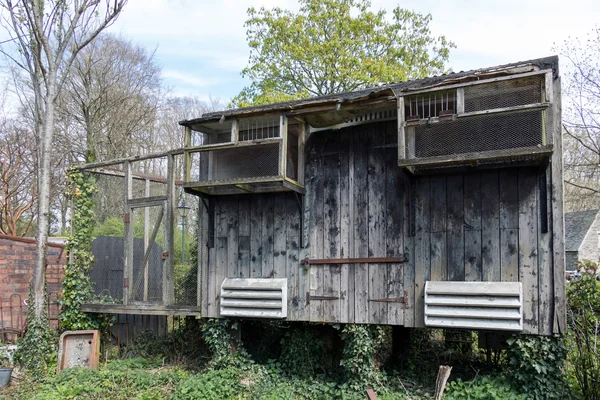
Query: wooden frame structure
[[364, 226]]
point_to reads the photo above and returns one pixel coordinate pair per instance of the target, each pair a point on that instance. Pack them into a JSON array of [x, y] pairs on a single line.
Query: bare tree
[[110, 98], [48, 36], [581, 121], [17, 179]]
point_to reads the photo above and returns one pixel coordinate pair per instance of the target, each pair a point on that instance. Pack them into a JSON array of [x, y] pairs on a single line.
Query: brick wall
[[17, 256]]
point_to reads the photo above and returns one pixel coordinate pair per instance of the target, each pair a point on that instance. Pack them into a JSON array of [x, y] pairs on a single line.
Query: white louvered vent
[[474, 305], [254, 298]]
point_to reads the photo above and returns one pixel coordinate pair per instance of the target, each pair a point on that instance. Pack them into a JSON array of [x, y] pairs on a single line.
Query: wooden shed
[[435, 202]]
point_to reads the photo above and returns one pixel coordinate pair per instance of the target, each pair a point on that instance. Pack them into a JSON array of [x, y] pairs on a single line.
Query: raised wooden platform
[[141, 309]]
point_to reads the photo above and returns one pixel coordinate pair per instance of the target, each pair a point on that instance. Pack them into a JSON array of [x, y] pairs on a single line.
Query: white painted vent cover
[[254, 298], [474, 305]]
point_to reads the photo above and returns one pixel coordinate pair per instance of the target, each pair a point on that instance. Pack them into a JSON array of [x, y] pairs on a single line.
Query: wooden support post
[[401, 138], [235, 131], [187, 158], [558, 222], [168, 269], [442, 379], [146, 239], [283, 125], [460, 101], [128, 237], [301, 143]]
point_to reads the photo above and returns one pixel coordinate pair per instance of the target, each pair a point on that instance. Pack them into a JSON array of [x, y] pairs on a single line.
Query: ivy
[[537, 364], [37, 350], [361, 343], [77, 286], [226, 352]]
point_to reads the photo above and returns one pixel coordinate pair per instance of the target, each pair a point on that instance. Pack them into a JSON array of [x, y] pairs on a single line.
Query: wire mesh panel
[[502, 94], [477, 134], [235, 163]]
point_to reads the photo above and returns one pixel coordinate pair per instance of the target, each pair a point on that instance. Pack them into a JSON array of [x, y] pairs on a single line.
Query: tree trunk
[[45, 142]]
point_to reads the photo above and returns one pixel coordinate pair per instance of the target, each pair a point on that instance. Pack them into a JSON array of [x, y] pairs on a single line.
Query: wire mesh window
[[501, 94], [476, 134], [258, 128], [255, 161], [430, 105]]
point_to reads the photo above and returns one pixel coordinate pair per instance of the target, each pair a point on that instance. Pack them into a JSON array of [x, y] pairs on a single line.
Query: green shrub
[[301, 352], [583, 297], [213, 384], [537, 366], [482, 388]]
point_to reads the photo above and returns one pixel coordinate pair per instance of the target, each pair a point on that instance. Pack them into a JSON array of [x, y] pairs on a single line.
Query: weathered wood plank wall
[[477, 226]]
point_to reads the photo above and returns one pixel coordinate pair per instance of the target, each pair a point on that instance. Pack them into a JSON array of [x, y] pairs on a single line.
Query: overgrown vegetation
[[77, 286], [216, 359], [583, 297]]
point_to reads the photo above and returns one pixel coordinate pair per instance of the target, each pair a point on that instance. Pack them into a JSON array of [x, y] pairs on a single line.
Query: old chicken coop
[[434, 202]]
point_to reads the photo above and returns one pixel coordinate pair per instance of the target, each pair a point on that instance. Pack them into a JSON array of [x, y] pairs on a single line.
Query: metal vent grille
[[373, 116], [254, 298], [258, 128], [235, 163], [476, 134], [474, 305], [508, 93]]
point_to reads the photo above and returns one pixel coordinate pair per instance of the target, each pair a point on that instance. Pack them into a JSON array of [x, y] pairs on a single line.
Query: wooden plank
[[490, 226], [140, 309], [256, 244], [492, 155], [455, 239], [376, 224], [545, 261], [244, 237], [472, 223], [283, 145], [409, 279], [439, 252], [509, 224], [422, 266], [346, 298], [317, 234], [351, 226], [267, 237], [232, 209], [331, 235], [528, 258], [295, 273], [211, 303], [361, 228], [394, 235], [203, 260], [280, 236], [506, 110], [558, 222]]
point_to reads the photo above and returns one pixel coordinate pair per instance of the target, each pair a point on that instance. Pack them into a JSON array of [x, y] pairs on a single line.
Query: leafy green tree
[[333, 46]]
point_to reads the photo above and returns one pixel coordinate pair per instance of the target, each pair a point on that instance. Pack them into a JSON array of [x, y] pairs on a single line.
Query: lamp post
[[183, 211]]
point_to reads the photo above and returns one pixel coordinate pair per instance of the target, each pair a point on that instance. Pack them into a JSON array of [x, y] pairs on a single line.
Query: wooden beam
[[168, 264], [367, 260], [283, 134], [146, 201], [229, 145], [116, 161], [187, 157], [505, 110], [472, 83], [138, 308], [401, 137]]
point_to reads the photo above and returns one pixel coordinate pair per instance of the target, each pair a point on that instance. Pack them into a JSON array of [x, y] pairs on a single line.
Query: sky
[[202, 48]]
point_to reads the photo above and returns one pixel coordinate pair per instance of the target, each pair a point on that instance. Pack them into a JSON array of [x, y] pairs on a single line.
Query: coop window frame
[[404, 125], [282, 141]]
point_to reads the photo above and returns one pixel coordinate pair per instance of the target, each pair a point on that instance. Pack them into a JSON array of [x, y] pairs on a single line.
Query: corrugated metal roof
[[379, 91], [577, 224]]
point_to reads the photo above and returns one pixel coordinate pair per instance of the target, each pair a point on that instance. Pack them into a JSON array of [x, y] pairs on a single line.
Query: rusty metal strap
[[368, 260]]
